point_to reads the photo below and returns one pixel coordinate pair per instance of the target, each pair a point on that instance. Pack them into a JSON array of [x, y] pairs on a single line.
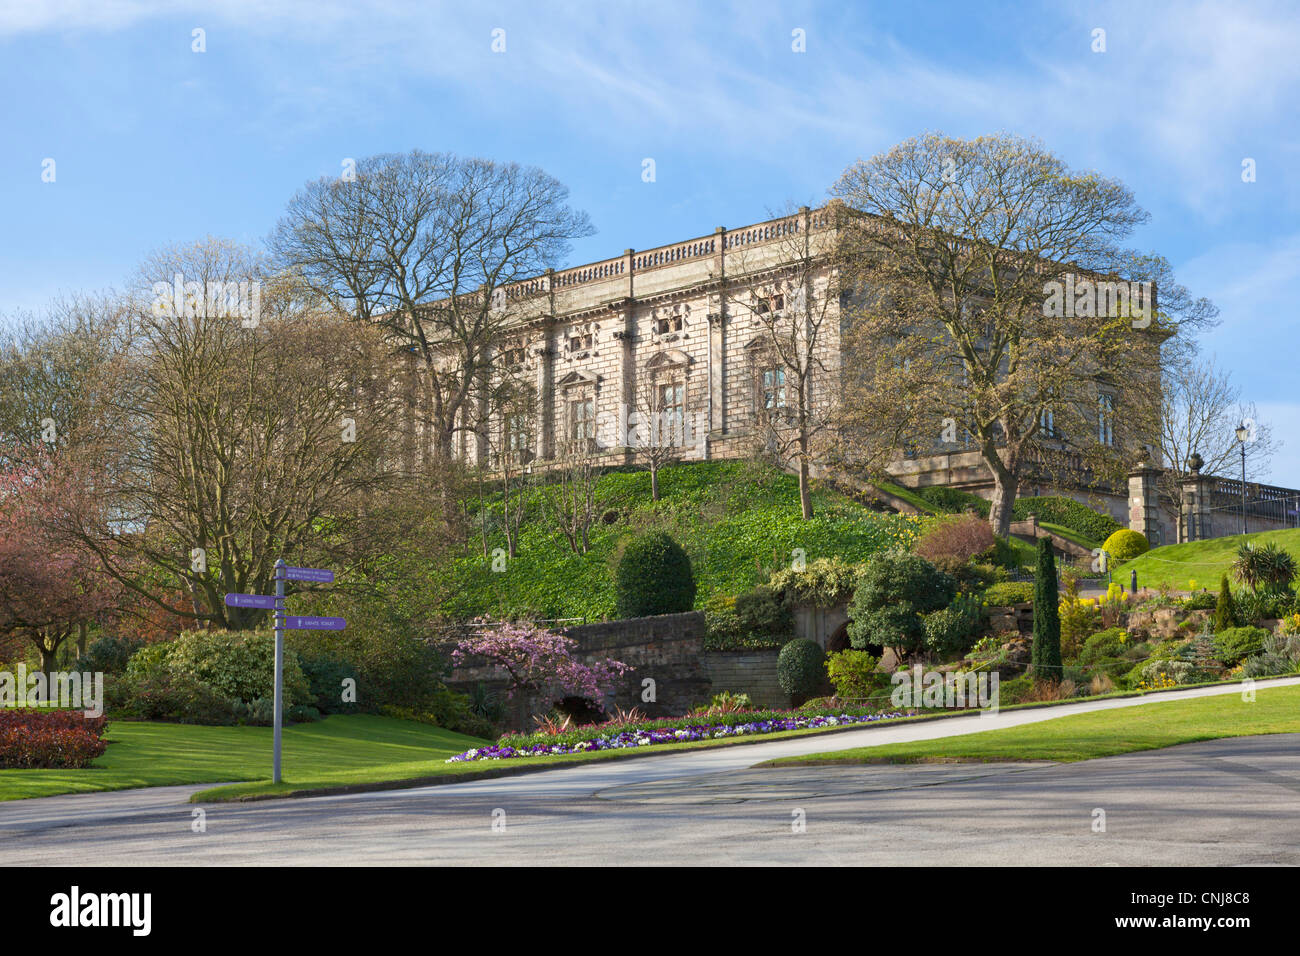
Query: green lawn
[[1276, 710], [1199, 564], [336, 750]]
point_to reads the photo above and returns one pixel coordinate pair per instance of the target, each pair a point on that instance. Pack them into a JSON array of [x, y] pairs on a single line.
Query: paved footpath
[[1226, 801]]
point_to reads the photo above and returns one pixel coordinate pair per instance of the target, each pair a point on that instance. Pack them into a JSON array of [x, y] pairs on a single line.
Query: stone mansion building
[[684, 331]]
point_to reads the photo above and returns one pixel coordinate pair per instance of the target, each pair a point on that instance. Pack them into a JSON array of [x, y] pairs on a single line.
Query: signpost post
[[278, 718], [285, 622]]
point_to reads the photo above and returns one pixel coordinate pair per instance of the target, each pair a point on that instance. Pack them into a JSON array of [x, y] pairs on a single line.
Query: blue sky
[[154, 143]]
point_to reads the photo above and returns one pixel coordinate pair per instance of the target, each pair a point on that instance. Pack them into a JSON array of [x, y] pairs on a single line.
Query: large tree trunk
[[1006, 483]]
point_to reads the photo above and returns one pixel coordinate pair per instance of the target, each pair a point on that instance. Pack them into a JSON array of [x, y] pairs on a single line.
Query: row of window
[[1105, 421]]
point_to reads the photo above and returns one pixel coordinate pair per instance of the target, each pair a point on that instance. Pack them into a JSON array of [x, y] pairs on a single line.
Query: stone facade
[[674, 329], [684, 331]]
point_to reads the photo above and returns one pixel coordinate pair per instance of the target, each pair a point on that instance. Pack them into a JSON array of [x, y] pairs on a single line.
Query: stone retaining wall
[[668, 663]]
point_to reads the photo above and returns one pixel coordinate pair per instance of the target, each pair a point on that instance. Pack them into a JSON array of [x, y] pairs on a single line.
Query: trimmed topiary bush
[[653, 577], [1225, 609], [1046, 655], [801, 668], [1125, 545]]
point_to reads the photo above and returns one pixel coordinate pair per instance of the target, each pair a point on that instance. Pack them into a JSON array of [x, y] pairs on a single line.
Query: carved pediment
[[576, 378], [669, 358]]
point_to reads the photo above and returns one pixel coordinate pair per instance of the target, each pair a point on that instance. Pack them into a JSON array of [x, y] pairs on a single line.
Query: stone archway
[[839, 641]]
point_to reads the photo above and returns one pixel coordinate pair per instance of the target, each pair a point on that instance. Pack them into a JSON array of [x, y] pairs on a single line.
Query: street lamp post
[[1242, 434]]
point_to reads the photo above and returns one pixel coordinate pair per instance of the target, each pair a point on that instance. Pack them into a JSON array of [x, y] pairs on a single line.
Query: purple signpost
[[285, 622]]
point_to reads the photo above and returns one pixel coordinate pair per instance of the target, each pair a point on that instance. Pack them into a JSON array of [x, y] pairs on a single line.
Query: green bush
[[1225, 609], [976, 577], [951, 631], [325, 679], [238, 664], [801, 668], [1008, 593], [895, 589], [764, 620], [177, 699], [1125, 545], [1003, 554], [1068, 513], [721, 624], [853, 674], [109, 655], [1015, 690], [952, 501], [825, 582], [1201, 601], [395, 664], [1046, 661], [149, 663], [1237, 643], [653, 577], [1112, 642]]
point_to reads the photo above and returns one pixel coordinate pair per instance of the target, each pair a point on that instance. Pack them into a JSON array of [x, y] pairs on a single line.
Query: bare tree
[[423, 245], [1200, 411], [510, 435], [569, 495], [790, 289], [236, 440], [957, 249], [659, 426]]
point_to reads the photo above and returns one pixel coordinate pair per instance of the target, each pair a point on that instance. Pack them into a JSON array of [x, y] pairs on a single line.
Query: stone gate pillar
[[1196, 505], [1144, 503]]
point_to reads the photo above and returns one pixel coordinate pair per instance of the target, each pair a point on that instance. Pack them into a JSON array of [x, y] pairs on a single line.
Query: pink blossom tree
[[48, 589], [538, 661]]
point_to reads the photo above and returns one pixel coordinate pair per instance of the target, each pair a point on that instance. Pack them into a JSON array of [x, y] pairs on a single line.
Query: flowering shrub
[[538, 661], [63, 739], [673, 732]]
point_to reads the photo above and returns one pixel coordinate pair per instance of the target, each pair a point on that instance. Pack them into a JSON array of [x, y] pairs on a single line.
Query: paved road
[[1219, 802]]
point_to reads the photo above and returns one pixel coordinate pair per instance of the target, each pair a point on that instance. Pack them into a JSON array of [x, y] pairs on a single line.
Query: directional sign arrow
[[309, 574], [251, 600], [314, 623]]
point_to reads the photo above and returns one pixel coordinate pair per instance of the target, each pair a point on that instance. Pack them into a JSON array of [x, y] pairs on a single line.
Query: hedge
[[49, 739]]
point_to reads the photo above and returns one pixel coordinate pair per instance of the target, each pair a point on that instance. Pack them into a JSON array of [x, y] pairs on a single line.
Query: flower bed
[[31, 738], [683, 730]]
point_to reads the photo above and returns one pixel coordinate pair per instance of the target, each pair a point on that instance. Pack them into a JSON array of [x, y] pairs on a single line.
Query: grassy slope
[[335, 750], [1202, 562], [730, 516], [1099, 734]]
